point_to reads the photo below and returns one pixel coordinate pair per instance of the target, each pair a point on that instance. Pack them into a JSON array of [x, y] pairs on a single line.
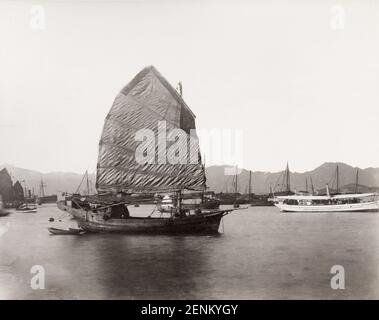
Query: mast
[[236, 185], [306, 185], [179, 201], [205, 179], [288, 182], [236, 182], [271, 190], [87, 182], [313, 189], [356, 181], [41, 189], [338, 177], [250, 186]]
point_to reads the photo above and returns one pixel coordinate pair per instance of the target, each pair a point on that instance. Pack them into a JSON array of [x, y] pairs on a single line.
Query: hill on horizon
[[57, 182], [261, 181], [54, 182]]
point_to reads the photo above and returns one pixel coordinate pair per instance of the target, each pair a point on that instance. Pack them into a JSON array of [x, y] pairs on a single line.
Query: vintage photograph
[[176, 150]]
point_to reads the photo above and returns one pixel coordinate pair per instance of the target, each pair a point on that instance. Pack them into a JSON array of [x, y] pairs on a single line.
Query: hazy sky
[[301, 83]]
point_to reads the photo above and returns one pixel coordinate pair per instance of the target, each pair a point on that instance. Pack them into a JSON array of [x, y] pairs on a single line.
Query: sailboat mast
[[236, 186], [87, 183], [42, 190], [205, 184], [338, 178], [179, 195], [288, 183], [313, 189], [306, 185], [250, 186], [356, 181]]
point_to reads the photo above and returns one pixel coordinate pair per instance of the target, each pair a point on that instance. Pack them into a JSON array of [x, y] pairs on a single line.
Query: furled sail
[[130, 159]]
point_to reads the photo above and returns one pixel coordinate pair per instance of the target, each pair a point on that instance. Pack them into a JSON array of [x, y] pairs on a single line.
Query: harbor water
[[260, 253]]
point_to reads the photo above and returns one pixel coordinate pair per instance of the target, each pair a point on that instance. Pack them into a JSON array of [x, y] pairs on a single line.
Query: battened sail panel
[[146, 103]]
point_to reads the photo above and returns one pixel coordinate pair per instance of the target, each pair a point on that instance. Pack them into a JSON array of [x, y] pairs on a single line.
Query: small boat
[[26, 208], [4, 213], [57, 231]]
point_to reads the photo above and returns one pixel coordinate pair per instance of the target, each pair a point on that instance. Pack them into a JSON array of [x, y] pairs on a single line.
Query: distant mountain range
[[56, 182], [261, 181]]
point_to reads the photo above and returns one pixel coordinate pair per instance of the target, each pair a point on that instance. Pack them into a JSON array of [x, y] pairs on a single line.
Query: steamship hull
[[372, 206]]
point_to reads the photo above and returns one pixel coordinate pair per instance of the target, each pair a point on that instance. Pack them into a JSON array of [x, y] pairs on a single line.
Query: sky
[[299, 79]]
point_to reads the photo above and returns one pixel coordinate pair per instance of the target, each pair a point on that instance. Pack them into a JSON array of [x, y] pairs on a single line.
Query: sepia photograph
[[212, 151]]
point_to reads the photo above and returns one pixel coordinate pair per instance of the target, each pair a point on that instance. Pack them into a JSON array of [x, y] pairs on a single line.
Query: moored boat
[[145, 110], [309, 202], [58, 231], [335, 203], [206, 222]]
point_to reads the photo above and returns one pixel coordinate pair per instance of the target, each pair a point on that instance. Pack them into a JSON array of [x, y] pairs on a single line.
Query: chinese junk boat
[[141, 151]]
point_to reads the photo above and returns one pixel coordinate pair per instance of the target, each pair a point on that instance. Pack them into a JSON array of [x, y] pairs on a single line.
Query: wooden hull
[[204, 223], [349, 207]]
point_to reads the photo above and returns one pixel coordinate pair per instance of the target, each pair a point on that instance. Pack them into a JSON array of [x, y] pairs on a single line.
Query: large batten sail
[[147, 103]]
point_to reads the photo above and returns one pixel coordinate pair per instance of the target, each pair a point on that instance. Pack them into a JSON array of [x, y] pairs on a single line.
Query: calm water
[[261, 254]]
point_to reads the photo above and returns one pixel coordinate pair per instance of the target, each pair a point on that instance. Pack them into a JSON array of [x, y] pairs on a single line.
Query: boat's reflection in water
[[144, 267]]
